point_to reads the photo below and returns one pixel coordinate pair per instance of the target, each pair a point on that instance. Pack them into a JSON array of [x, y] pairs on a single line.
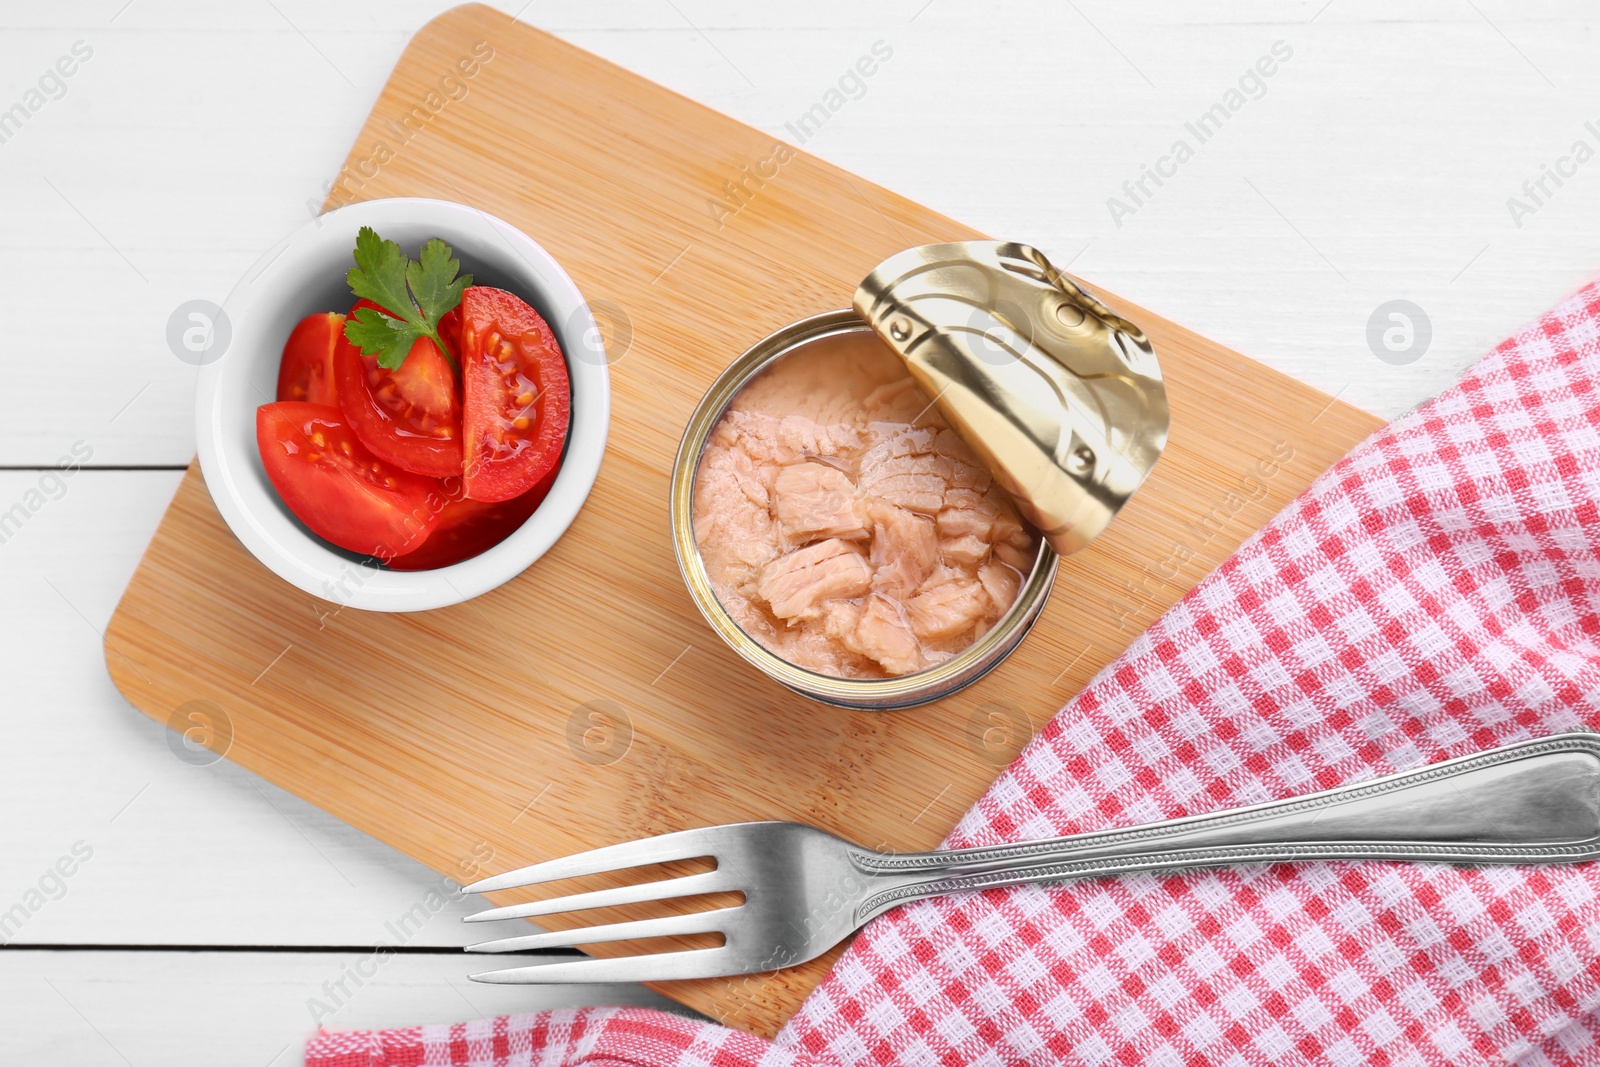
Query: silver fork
[[806, 890]]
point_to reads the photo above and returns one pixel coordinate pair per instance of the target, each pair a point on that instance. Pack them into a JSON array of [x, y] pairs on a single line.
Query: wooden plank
[[1208, 251], [184, 852], [447, 732], [197, 1009]]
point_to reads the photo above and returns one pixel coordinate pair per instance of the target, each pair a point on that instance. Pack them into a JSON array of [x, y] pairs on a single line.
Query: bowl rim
[[238, 481]]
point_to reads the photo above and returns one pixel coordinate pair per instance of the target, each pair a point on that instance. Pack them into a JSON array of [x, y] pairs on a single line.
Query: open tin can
[[1058, 396]]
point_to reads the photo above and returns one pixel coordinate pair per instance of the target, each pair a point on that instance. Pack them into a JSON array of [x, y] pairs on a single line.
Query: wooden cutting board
[[586, 702]]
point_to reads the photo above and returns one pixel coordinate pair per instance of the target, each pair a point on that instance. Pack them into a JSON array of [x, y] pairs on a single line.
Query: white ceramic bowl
[[305, 273]]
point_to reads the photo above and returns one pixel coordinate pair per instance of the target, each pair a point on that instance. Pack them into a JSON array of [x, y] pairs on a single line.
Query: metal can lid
[[1061, 397]]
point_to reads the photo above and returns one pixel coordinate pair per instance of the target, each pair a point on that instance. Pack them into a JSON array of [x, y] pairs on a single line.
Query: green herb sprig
[[415, 294]]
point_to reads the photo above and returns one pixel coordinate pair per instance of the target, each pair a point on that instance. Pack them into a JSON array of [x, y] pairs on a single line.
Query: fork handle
[[1530, 802]]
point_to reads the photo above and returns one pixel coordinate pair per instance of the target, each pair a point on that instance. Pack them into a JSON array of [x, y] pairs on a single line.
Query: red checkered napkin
[[1435, 593]]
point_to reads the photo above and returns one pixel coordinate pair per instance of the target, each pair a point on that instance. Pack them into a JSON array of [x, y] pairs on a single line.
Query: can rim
[[864, 693]]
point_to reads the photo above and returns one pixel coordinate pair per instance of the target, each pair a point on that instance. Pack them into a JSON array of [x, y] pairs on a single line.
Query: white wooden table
[[1375, 164]]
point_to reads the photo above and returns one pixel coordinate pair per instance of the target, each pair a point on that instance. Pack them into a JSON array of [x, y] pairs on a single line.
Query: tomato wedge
[[517, 401], [450, 328], [341, 491], [469, 527], [409, 416], [306, 372]]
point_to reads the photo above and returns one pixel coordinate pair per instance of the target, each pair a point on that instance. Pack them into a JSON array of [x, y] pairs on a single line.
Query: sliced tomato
[[409, 416], [469, 527], [517, 401], [450, 328], [340, 490], [306, 372]]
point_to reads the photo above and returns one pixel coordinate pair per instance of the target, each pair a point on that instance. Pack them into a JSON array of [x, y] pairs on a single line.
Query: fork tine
[[653, 967], [664, 889], [681, 845], [698, 922]]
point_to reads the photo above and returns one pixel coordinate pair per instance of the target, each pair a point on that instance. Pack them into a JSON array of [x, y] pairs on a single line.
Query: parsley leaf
[[413, 294], [433, 279], [376, 334]]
